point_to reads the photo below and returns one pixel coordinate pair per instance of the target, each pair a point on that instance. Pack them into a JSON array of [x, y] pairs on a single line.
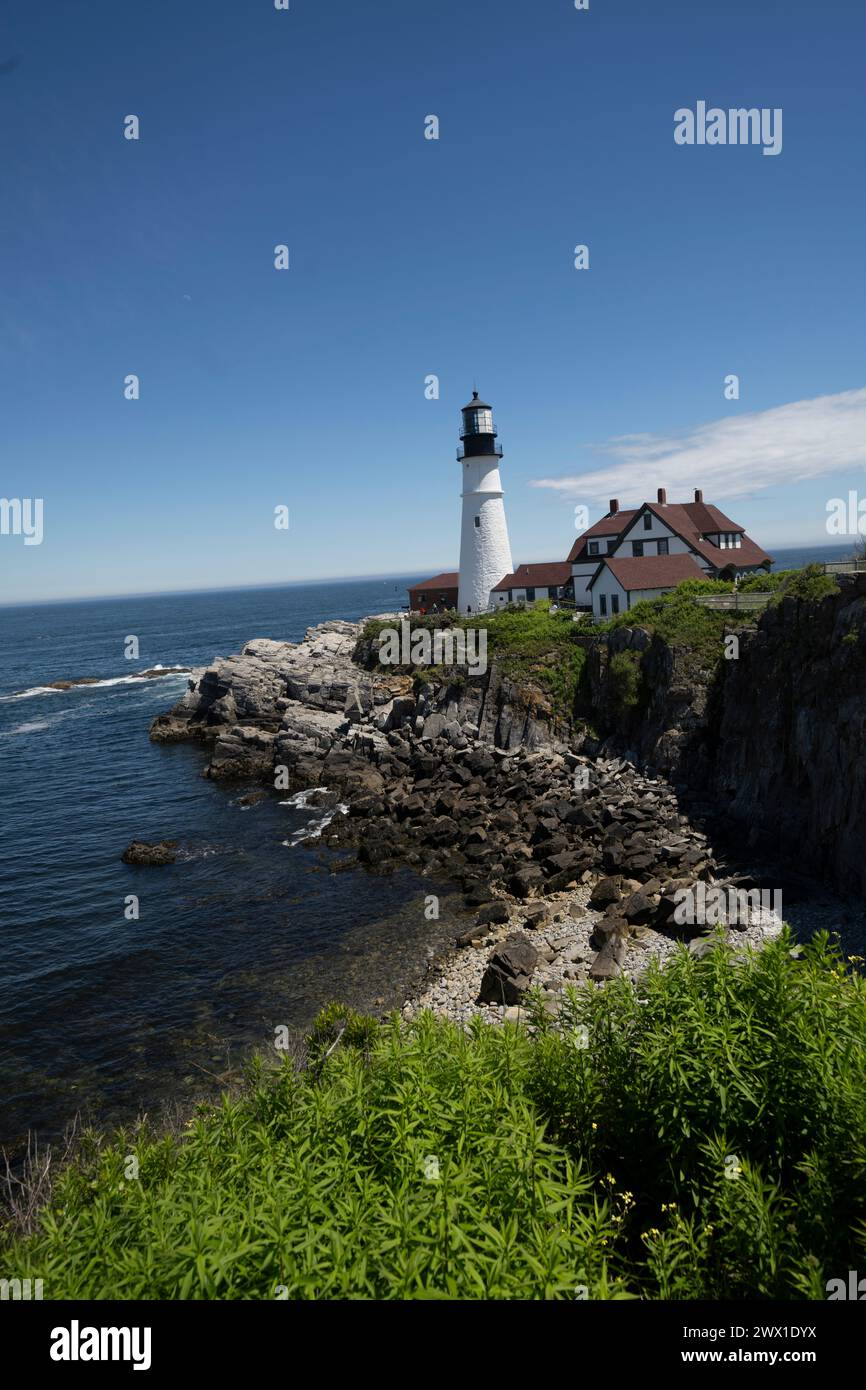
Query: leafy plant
[[808, 584], [624, 681], [702, 1135]]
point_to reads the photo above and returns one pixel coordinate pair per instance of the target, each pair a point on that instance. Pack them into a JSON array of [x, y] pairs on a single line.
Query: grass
[[697, 633], [701, 1137], [533, 647]]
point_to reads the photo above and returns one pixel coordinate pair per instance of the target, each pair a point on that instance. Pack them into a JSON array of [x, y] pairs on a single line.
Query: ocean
[[112, 1017], [792, 558]]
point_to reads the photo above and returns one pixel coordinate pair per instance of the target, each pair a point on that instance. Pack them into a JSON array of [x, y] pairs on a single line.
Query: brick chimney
[[663, 497], [699, 496], [614, 506]]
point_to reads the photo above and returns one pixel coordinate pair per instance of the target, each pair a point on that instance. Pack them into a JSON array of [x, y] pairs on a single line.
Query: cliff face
[[775, 740], [791, 735]]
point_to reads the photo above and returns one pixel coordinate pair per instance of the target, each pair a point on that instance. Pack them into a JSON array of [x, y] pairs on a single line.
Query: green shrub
[[808, 584], [764, 582], [338, 1025], [696, 632], [705, 586], [624, 681], [727, 1096], [701, 1136]]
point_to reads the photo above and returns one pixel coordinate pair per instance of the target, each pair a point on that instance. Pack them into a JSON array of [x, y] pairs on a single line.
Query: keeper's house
[[647, 551], [531, 582]]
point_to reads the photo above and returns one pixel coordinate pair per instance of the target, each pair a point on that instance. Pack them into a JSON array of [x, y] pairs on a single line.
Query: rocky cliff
[[774, 739]]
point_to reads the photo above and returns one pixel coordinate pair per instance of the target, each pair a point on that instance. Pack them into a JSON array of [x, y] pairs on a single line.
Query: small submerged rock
[[147, 855], [252, 798], [152, 673]]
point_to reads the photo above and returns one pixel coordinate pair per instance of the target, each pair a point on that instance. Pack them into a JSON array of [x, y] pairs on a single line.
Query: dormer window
[[593, 547]]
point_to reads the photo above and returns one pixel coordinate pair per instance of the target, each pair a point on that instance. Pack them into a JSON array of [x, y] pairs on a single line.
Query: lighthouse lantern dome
[[477, 417], [477, 431]]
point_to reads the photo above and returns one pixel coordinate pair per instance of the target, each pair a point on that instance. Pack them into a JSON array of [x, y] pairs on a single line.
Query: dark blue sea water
[[794, 558], [110, 1016]]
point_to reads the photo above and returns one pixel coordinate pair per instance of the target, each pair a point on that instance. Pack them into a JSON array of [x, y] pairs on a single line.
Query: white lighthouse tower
[[485, 554]]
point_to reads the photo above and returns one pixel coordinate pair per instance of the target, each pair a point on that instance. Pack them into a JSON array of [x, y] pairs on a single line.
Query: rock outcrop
[[509, 971], [151, 856], [311, 708], [773, 742]]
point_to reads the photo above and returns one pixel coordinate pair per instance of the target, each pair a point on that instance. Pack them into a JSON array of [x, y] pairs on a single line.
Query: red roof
[[690, 519], [449, 580], [650, 571], [549, 574], [611, 525]]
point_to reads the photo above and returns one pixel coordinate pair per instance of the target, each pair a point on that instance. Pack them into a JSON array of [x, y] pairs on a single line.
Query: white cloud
[[734, 457]]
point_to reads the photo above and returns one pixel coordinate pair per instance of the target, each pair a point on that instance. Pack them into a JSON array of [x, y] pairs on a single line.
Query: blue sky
[[411, 257]]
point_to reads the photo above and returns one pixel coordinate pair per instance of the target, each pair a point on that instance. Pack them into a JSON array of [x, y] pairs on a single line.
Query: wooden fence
[[845, 567], [739, 602]]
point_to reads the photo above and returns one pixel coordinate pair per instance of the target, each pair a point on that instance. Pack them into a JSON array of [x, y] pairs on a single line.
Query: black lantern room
[[478, 437]]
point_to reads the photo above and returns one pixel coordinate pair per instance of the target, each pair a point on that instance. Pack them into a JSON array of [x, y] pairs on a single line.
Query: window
[[614, 603], [738, 541], [663, 547], [637, 547], [480, 421], [593, 547], [647, 521], [602, 604], [477, 523], [530, 595]]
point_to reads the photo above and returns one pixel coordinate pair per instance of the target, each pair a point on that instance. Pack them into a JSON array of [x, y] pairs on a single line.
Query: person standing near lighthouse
[[485, 552]]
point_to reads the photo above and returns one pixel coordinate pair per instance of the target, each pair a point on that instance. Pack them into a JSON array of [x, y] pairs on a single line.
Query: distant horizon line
[[214, 589], [294, 583]]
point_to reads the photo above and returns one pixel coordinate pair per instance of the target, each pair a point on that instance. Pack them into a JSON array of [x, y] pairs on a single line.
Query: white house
[[717, 548], [531, 582], [620, 583]]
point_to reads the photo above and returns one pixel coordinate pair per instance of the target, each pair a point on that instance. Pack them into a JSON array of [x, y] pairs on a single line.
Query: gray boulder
[[509, 971]]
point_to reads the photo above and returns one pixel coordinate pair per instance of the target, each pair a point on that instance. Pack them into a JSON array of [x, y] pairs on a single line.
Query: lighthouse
[[485, 553]]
